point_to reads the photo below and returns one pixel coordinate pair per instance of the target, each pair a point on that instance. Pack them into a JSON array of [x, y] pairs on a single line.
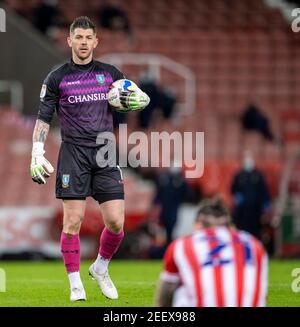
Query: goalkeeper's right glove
[[134, 101], [40, 167]]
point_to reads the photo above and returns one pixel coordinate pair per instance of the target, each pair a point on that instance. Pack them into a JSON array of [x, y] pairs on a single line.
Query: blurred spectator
[[167, 101], [251, 197], [172, 190], [147, 84], [113, 17], [43, 14], [157, 235], [162, 99], [254, 119]]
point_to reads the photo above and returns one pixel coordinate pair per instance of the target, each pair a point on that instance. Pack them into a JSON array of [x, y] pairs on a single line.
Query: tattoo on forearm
[[40, 132]]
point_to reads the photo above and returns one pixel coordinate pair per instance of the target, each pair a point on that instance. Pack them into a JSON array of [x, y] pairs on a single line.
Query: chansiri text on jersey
[[87, 97]]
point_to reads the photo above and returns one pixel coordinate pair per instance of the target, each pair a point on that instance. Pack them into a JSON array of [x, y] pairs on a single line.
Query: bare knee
[[72, 223], [115, 223], [113, 215]]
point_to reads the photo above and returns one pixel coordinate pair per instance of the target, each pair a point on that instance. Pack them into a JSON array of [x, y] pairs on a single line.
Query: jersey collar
[[82, 67]]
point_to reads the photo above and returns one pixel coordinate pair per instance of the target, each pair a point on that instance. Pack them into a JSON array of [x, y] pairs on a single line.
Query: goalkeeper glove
[[40, 167], [135, 101]]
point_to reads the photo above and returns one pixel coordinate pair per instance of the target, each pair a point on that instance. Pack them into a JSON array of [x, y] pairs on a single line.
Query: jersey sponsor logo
[[65, 181], [73, 83], [43, 91], [87, 97], [100, 78], [213, 260]]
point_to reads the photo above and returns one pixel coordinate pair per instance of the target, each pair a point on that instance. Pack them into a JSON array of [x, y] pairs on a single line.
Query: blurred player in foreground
[[77, 91], [217, 266]]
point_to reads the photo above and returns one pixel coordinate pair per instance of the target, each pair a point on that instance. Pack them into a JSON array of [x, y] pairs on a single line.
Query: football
[[124, 85]]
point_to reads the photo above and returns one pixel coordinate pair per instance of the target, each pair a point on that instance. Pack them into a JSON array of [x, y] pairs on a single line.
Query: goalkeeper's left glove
[[135, 101], [40, 167]]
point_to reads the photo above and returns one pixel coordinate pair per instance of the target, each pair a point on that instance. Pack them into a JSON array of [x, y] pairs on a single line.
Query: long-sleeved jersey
[[78, 93]]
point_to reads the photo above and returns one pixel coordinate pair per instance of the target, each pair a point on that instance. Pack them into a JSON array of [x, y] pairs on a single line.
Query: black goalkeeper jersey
[[78, 93]]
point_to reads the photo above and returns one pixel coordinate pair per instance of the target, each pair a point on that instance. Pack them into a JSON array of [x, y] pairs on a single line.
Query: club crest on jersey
[[100, 78], [65, 181]]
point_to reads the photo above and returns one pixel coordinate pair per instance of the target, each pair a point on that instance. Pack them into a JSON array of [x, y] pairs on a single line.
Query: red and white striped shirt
[[217, 267]]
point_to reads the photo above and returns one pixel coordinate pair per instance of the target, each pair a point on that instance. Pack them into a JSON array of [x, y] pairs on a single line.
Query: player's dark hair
[[82, 22], [213, 212]]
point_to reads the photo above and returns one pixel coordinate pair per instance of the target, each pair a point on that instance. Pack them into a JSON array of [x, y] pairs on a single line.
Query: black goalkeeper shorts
[[79, 176]]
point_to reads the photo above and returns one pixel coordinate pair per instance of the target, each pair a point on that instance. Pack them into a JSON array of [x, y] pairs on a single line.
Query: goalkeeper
[[77, 91]]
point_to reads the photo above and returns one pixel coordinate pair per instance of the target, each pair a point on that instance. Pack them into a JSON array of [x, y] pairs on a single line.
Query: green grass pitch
[[45, 284]]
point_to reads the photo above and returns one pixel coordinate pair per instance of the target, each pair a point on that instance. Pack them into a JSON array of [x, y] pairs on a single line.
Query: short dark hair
[[213, 212], [82, 22]]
